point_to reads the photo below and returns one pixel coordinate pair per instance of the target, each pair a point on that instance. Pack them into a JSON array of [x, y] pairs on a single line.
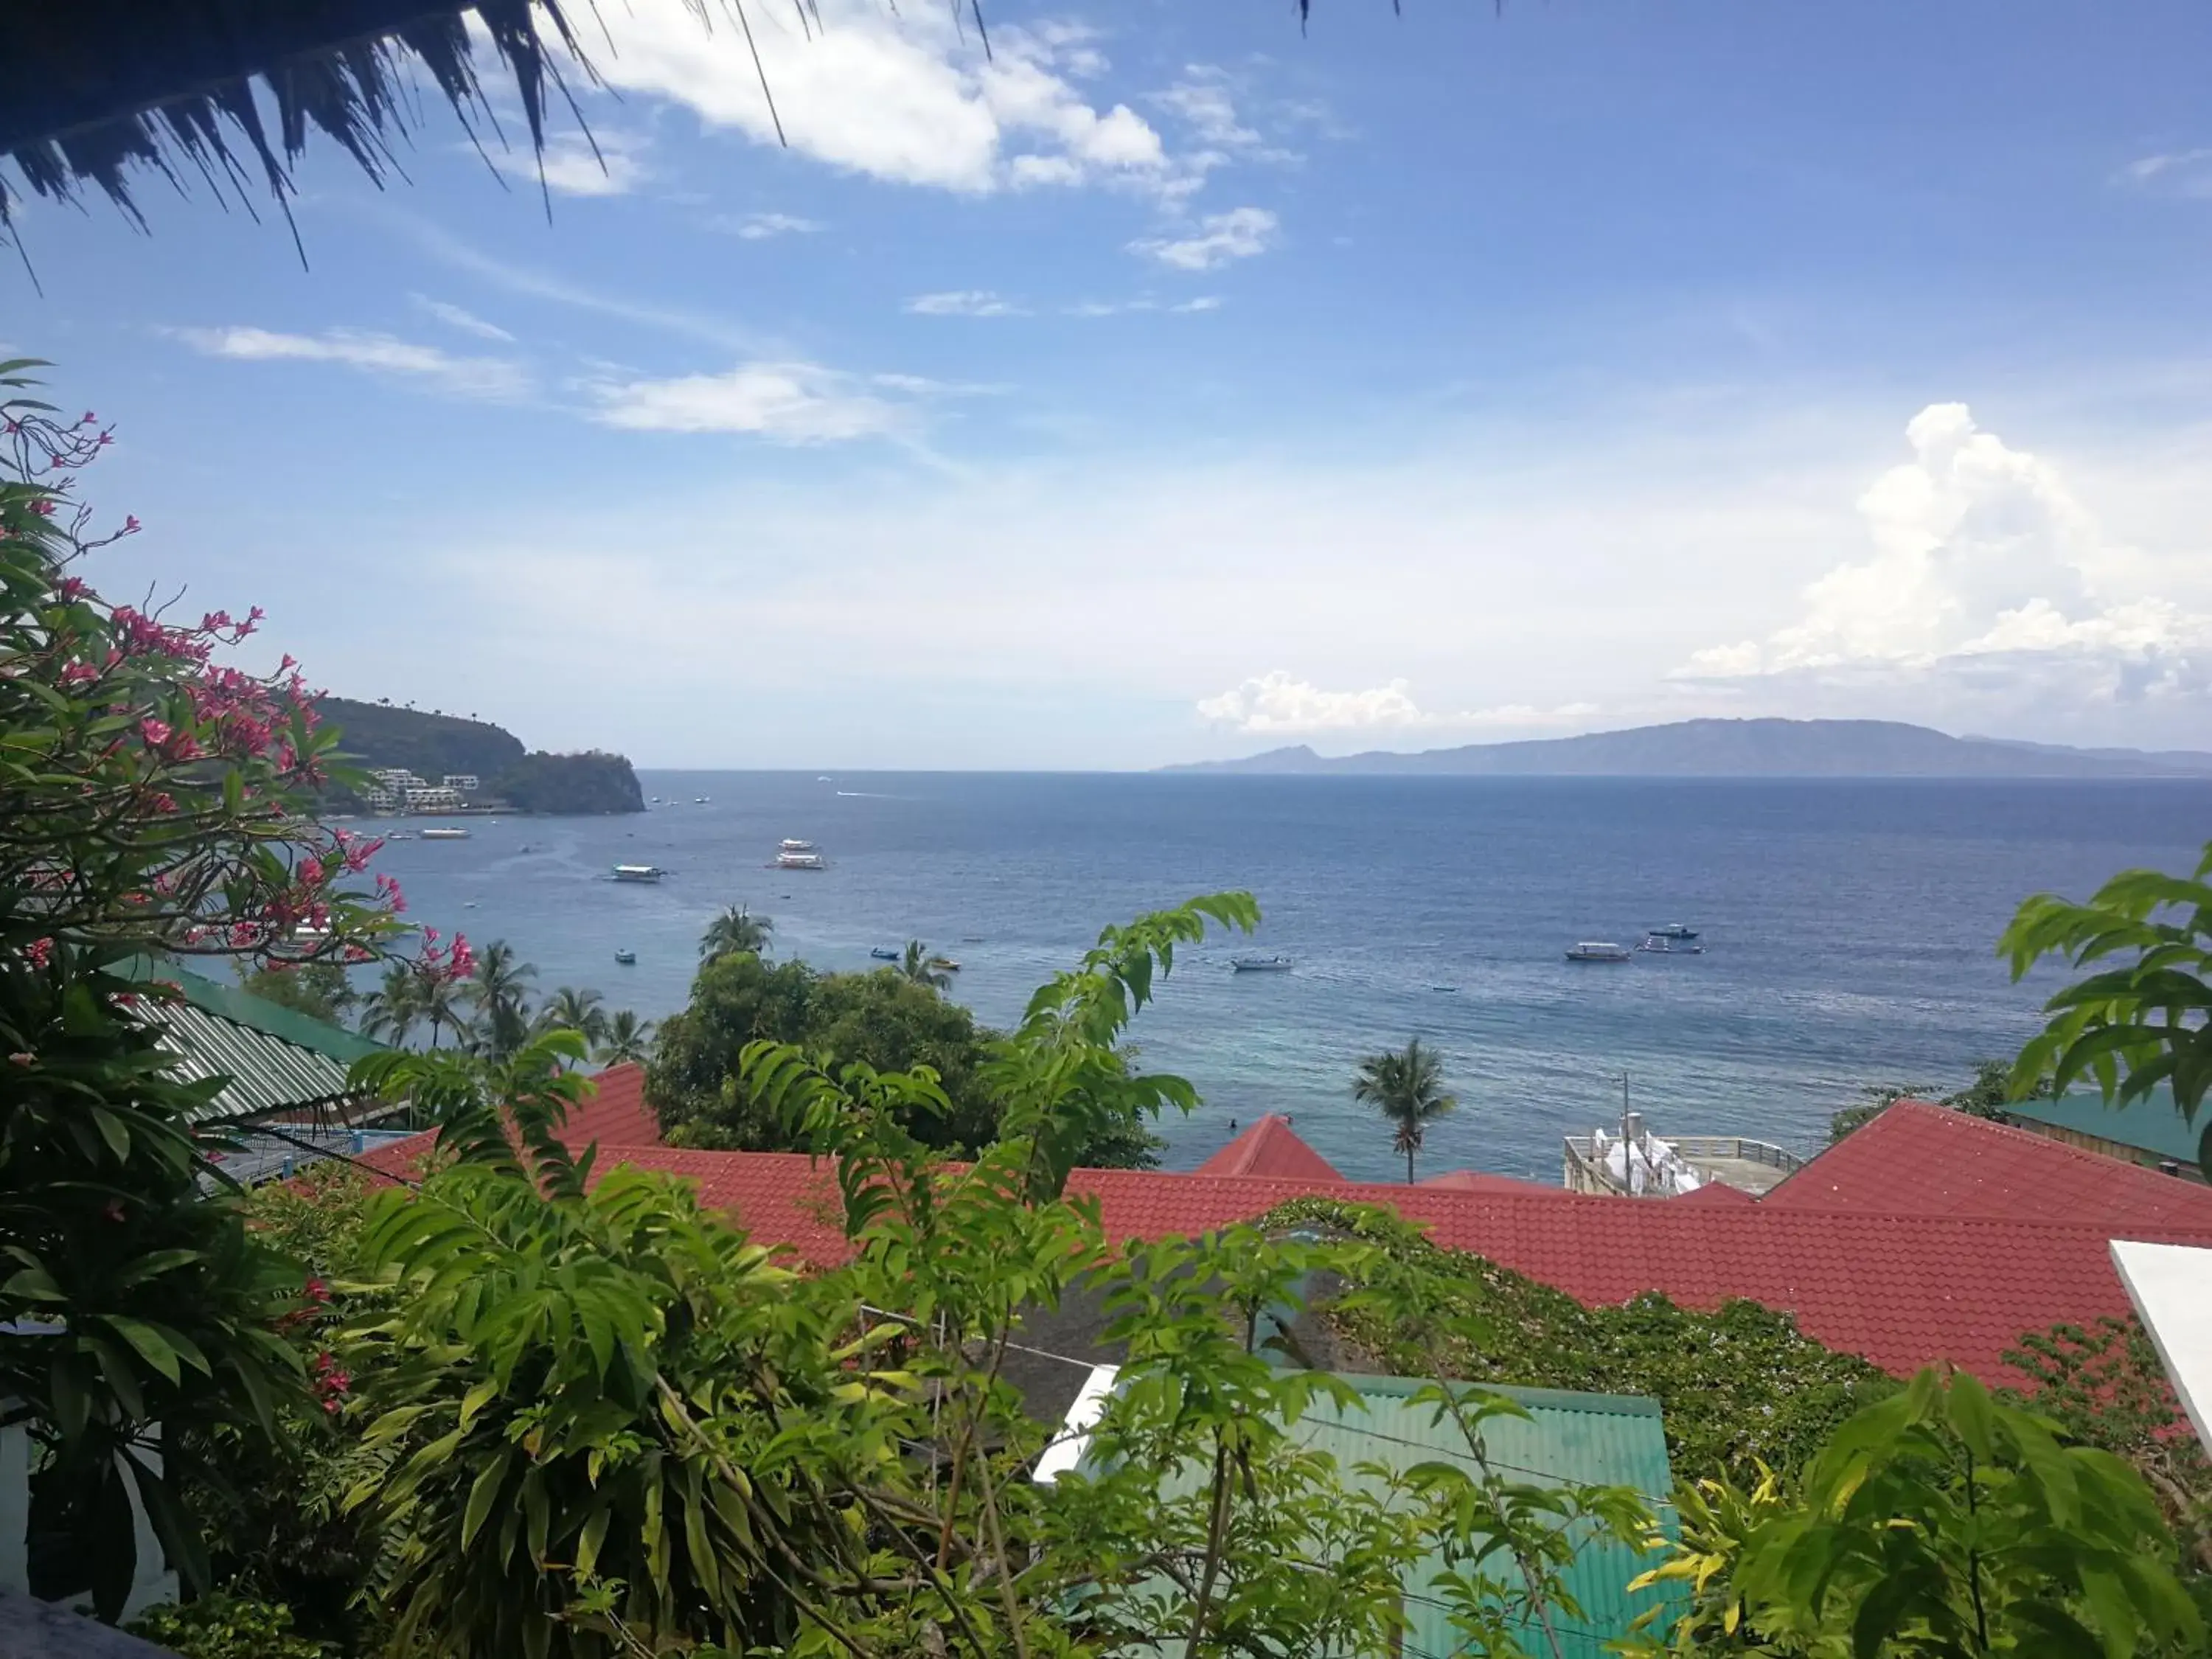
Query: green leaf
[[483, 1492]]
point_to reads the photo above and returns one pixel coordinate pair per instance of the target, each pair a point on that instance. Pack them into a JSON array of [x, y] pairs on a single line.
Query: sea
[[1850, 926]]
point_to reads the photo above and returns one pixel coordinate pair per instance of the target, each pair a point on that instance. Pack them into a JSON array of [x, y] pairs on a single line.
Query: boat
[[628, 959], [698, 800], [445, 833], [639, 872], [1675, 930], [945, 964], [1670, 944], [1599, 950], [971, 938], [1260, 964], [795, 855], [882, 955], [1443, 987]]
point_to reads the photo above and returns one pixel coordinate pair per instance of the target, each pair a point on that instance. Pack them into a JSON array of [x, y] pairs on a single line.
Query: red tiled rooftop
[[1712, 1193], [616, 1114], [1270, 1147], [1481, 1181], [1919, 1159]]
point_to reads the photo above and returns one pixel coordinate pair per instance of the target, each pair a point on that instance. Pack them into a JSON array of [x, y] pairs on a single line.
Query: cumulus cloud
[[1123, 307], [605, 163], [491, 378], [1219, 238], [1986, 574], [964, 303], [1281, 703], [905, 96], [792, 403]]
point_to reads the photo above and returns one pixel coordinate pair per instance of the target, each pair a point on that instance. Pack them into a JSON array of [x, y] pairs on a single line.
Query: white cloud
[[760, 226], [964, 303], [906, 96], [1239, 233], [1123, 307], [1281, 703], [795, 403], [603, 163], [467, 322], [493, 378], [1987, 576], [2180, 172]]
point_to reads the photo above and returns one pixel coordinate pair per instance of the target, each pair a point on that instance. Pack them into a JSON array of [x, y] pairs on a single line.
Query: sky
[[1167, 383]]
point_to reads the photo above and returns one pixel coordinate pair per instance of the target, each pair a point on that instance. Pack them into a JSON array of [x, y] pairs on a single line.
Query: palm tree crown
[[736, 930], [499, 993], [626, 1037], [1407, 1087], [572, 1010], [916, 966], [390, 1012]]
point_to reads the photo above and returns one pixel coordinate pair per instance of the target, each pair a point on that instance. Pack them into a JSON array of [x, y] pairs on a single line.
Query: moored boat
[[1670, 944], [881, 954], [445, 832], [945, 964], [1599, 950], [1260, 964], [791, 853], [1675, 930], [628, 959], [639, 872]]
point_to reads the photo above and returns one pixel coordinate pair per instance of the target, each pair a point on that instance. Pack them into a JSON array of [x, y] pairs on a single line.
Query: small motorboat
[[945, 964], [1260, 964], [1670, 944], [1675, 930], [1599, 950], [971, 938], [1443, 987], [882, 955], [628, 959]]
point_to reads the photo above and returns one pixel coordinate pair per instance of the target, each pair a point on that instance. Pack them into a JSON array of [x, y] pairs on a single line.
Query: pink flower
[[19, 1058], [43, 507], [155, 732], [38, 952], [78, 674], [311, 872], [163, 803], [130, 526]]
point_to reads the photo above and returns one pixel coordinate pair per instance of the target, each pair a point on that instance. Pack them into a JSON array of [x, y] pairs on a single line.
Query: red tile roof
[[1715, 1192], [1903, 1290], [1270, 1147], [1919, 1159], [1481, 1181], [1873, 1277], [614, 1115]]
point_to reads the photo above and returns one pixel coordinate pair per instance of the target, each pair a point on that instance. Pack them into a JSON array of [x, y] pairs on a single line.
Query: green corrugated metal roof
[[1594, 1438], [277, 1060], [2152, 1124]]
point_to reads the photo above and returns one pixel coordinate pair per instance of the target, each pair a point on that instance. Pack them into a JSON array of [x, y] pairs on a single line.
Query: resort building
[[396, 789]]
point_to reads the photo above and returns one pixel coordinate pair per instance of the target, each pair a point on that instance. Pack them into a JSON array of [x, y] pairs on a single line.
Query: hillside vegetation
[[436, 745]]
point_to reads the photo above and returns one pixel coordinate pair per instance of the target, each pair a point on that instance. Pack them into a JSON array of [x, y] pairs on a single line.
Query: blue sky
[[1169, 385]]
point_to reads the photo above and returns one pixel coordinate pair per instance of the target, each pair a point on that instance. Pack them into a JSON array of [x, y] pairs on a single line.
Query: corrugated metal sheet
[[276, 1060], [1601, 1439]]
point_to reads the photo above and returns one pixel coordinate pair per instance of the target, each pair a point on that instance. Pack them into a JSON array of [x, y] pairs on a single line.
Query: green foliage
[[736, 930], [626, 1038], [1740, 1387], [1939, 1522], [917, 965], [320, 990], [571, 1009], [2105, 1385], [498, 996], [1407, 1086], [2132, 1026], [430, 745], [221, 1626], [612, 1425], [573, 784], [154, 803]]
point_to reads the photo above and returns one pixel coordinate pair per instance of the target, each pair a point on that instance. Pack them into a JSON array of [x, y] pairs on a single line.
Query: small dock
[[1750, 1166]]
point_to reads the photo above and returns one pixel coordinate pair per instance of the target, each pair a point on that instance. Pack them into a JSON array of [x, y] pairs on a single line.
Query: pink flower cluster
[[38, 952], [331, 1382], [450, 962]]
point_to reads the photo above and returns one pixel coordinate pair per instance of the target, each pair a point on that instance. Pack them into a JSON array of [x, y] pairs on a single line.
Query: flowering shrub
[[155, 800]]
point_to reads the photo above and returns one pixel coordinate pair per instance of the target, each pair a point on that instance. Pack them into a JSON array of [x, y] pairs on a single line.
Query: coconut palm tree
[[736, 930], [391, 1012], [1407, 1087], [440, 1001], [500, 995], [572, 1010], [626, 1037], [914, 965]]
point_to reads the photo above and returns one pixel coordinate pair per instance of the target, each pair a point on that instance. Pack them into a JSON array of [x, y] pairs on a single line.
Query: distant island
[[377, 736], [1740, 749]]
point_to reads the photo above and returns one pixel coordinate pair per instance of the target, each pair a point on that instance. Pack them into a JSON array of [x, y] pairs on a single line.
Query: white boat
[[445, 833], [1670, 944], [627, 958], [1676, 931], [639, 872], [1599, 950], [698, 800], [795, 855], [1260, 964]]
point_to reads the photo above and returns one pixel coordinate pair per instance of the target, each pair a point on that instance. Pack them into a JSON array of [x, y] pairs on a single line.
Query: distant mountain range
[[1742, 749]]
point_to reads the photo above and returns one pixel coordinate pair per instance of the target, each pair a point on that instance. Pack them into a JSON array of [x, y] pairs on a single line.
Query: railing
[[1582, 1172]]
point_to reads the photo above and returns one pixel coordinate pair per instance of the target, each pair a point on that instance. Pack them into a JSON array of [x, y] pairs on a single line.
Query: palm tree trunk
[[1409, 1166]]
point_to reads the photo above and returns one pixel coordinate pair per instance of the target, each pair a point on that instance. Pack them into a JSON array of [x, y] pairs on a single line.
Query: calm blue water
[[1850, 924]]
